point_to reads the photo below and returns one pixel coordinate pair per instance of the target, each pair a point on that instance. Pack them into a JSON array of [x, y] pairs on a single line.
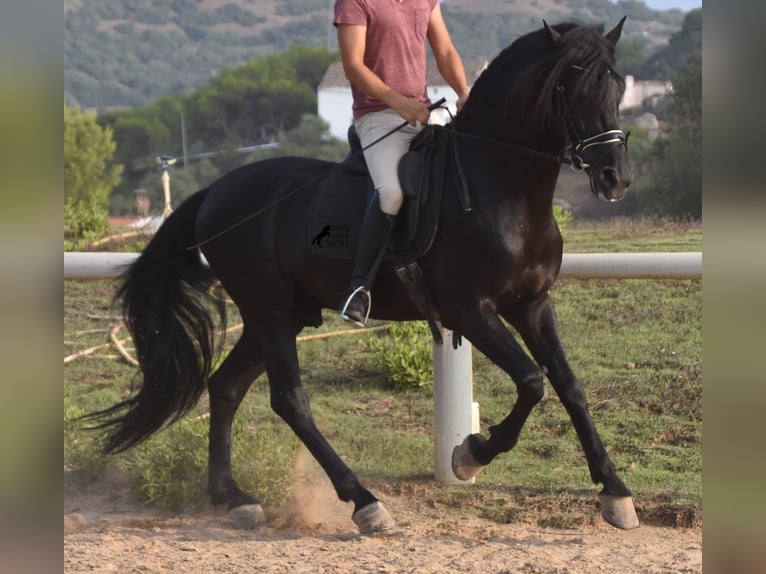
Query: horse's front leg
[[538, 326], [486, 331]]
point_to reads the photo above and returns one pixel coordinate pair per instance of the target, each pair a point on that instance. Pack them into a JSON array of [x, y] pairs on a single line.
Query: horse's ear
[[551, 32], [614, 34]]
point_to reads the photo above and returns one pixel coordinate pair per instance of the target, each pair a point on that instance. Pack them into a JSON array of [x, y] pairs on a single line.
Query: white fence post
[[455, 413]]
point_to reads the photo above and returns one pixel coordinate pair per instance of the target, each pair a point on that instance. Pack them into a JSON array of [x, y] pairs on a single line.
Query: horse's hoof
[[619, 511], [464, 464], [373, 518], [247, 516]]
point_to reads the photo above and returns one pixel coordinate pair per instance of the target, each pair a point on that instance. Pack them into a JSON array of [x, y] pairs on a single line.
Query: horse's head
[[587, 92], [555, 92]]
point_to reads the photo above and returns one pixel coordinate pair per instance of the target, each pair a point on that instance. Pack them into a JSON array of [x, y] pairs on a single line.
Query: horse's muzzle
[[604, 157], [610, 182], [610, 174]]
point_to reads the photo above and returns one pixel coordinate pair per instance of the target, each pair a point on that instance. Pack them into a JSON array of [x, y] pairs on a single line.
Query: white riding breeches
[[383, 157]]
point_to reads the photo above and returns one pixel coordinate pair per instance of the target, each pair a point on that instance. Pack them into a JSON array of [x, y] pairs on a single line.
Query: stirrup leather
[[364, 292]]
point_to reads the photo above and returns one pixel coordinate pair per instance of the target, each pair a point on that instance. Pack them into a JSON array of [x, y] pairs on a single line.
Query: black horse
[[551, 96]]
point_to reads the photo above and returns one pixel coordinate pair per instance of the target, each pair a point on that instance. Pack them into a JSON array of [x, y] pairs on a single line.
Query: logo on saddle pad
[[336, 236]]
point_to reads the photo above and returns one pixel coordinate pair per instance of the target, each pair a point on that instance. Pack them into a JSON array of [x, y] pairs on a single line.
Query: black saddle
[[341, 199]]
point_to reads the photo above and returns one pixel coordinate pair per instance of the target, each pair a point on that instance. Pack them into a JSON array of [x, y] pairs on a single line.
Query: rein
[[574, 150], [545, 154], [573, 156], [249, 217]]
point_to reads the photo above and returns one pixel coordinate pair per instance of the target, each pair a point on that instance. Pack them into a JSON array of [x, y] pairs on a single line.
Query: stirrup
[[357, 320]]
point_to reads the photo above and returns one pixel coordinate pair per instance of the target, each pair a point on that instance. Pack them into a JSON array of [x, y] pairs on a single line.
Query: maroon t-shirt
[[395, 46]]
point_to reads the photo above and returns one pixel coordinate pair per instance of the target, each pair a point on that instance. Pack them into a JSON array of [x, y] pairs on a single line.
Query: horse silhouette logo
[[320, 236]]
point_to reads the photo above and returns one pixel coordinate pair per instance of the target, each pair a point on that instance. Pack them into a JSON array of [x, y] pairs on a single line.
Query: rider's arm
[[447, 58], [352, 43]]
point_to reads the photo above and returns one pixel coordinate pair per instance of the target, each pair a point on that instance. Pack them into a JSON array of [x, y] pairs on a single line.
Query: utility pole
[[183, 138], [165, 162]]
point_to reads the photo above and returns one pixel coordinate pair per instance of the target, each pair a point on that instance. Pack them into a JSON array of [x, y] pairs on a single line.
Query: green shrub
[[263, 455], [562, 216], [406, 354], [83, 223], [89, 175], [170, 469], [83, 448]]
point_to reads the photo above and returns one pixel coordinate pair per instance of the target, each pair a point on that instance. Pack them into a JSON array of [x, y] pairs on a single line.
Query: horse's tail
[[166, 305]]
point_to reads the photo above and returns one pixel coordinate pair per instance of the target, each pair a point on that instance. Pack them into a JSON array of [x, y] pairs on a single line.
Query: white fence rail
[[684, 265], [455, 413]]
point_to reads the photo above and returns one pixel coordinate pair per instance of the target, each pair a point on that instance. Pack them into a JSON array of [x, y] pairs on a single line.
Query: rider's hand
[[461, 102], [412, 110]]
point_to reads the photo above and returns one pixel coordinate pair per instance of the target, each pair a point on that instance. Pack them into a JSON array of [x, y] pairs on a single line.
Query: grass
[[635, 344], [631, 235]]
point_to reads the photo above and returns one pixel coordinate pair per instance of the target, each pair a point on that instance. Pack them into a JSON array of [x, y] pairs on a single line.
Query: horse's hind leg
[[289, 401], [227, 388]]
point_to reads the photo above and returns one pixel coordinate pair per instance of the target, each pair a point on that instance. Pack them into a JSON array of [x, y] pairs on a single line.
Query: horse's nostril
[[609, 177]]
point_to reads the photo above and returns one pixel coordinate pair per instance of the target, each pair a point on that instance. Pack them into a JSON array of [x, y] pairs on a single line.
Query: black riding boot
[[373, 240]]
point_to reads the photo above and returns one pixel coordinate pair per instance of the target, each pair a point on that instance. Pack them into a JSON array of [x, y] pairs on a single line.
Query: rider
[[382, 45]]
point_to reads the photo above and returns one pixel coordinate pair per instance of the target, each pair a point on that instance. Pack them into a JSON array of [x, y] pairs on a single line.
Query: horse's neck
[[513, 133], [504, 173]]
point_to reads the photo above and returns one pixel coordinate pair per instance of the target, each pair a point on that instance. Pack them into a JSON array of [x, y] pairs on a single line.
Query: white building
[[334, 93], [637, 92]]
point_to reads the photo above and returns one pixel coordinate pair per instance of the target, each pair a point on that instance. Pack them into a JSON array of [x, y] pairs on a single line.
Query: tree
[[631, 55], [254, 103], [671, 60], [310, 138], [89, 175], [675, 162]]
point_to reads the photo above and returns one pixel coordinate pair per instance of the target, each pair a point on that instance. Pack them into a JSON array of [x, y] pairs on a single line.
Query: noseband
[[578, 146]]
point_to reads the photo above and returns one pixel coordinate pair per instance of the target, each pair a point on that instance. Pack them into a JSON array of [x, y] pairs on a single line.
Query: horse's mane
[[527, 72]]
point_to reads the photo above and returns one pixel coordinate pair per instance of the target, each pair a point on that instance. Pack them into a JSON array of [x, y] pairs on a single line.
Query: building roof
[[335, 77]]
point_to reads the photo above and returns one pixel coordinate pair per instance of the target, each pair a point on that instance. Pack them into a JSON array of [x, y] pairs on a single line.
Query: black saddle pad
[[336, 213], [339, 204]]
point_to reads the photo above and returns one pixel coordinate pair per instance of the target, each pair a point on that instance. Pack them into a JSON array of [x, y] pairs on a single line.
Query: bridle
[[577, 147], [574, 153]]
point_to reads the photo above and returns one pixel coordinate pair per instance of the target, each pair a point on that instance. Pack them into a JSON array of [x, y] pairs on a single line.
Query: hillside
[[131, 52]]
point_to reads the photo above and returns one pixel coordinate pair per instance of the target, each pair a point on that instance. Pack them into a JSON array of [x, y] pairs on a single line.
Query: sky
[[684, 5]]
